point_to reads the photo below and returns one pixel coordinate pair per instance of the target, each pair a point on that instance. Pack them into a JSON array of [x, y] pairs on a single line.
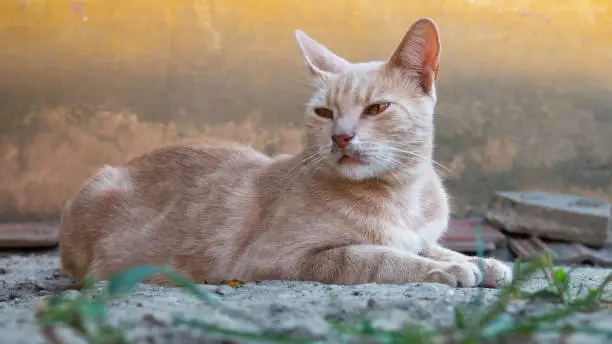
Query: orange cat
[[361, 203]]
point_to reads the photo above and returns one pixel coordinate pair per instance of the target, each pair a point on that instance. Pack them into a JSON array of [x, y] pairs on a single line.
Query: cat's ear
[[319, 59], [418, 53]]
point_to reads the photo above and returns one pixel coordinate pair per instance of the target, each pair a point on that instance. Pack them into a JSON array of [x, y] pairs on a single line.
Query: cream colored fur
[[220, 211]]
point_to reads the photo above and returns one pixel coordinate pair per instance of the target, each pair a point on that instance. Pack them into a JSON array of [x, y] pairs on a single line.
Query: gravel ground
[[293, 307]]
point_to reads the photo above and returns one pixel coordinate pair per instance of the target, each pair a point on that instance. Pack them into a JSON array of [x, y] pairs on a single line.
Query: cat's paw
[[463, 275], [496, 273]]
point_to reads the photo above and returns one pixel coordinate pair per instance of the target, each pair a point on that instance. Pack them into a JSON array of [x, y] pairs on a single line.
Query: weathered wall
[[524, 86]]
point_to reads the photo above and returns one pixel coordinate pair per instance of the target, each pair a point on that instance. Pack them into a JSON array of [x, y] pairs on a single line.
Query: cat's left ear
[[418, 53], [319, 59]]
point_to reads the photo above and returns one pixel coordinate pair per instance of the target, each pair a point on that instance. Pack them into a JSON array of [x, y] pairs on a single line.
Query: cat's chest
[[398, 231], [403, 239], [405, 230], [400, 225]]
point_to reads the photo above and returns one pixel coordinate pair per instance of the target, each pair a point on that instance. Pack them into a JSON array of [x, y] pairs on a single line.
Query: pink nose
[[342, 140]]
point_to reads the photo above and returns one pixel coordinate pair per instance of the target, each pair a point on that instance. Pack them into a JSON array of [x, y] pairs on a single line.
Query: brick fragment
[[461, 236], [29, 235]]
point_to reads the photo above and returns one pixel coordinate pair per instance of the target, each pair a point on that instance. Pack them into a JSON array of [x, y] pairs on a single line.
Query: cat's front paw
[[463, 274], [496, 273]]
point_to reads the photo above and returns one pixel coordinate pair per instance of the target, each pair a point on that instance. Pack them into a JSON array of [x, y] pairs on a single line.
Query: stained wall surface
[[525, 86]]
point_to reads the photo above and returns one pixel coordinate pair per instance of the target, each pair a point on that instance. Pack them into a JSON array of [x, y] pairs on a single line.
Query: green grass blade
[[125, 281]]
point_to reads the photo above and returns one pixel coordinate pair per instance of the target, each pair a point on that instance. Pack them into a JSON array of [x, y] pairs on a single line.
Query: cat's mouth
[[350, 160]]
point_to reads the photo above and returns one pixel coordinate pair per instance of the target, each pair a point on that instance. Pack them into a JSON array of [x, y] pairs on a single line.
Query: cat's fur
[[225, 211]]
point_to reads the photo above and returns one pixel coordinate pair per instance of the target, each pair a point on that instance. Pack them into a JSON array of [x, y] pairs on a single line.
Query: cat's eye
[[376, 109], [324, 112]]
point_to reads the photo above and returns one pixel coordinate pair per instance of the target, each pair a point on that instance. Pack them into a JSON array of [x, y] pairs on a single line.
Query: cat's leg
[[496, 272], [357, 264]]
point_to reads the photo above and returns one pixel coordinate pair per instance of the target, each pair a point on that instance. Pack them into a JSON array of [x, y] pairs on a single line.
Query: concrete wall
[[524, 86]]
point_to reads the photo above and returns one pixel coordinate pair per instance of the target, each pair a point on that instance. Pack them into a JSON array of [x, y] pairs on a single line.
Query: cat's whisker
[[375, 149], [407, 153], [304, 162], [432, 161], [318, 165], [313, 166], [386, 162], [435, 163], [404, 164], [314, 157]]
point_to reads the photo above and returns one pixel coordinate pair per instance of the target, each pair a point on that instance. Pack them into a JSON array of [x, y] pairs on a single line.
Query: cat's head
[[374, 119]]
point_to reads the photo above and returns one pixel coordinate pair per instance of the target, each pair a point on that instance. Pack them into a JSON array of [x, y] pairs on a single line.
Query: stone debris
[[553, 216], [562, 252], [29, 235]]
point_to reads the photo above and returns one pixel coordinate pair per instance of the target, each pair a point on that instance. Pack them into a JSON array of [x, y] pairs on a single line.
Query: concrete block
[[553, 216]]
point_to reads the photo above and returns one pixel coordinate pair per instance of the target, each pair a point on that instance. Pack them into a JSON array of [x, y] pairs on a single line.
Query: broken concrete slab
[[298, 308], [553, 215], [29, 235]]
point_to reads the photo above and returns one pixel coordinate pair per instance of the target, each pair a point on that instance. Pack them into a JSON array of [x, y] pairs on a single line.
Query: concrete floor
[[293, 307]]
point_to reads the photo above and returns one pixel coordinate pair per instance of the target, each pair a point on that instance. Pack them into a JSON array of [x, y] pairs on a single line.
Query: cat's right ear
[[319, 60], [418, 53]]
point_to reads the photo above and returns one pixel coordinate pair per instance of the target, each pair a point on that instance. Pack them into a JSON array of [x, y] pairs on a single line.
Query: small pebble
[[225, 290], [278, 308], [371, 304], [153, 320]]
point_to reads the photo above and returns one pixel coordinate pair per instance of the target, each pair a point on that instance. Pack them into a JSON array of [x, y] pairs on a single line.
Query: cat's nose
[[342, 140]]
